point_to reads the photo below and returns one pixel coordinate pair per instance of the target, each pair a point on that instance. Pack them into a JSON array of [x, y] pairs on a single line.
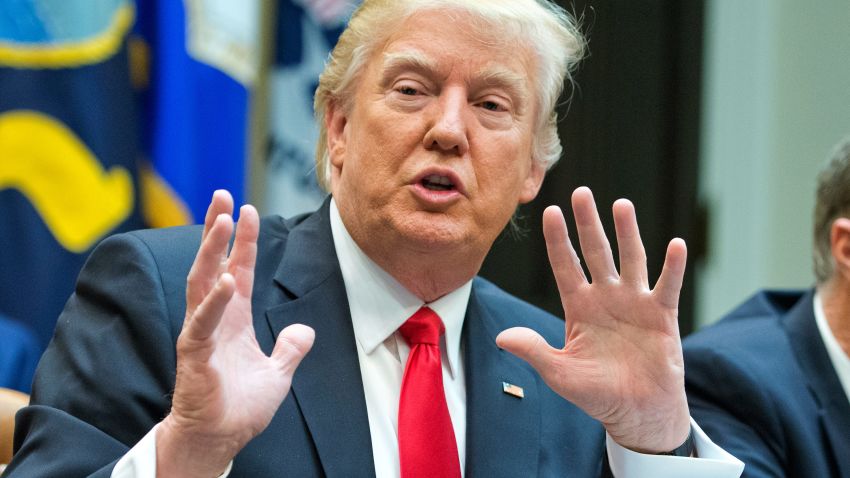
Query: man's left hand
[[622, 362]]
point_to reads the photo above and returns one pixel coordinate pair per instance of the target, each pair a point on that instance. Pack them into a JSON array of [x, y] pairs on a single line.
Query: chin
[[435, 231]]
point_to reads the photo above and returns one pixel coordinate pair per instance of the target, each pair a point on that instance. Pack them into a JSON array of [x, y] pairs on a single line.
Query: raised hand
[[227, 389], [622, 362]]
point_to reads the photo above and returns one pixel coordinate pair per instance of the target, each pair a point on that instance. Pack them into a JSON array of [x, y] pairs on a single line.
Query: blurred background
[[712, 116]]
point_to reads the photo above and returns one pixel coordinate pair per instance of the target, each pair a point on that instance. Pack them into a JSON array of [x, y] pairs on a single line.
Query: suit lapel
[[835, 419], [502, 431], [823, 382], [327, 385]]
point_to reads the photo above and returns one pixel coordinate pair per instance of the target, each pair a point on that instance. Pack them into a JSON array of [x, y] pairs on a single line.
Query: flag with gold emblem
[[306, 31], [68, 147]]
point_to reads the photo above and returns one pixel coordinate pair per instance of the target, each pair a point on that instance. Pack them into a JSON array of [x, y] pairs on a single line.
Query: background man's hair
[[548, 30], [832, 201]]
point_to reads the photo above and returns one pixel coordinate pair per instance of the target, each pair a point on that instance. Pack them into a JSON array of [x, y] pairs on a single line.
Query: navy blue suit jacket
[[107, 375], [761, 384]]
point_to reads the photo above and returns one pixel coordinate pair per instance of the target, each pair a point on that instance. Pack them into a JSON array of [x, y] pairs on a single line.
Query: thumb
[[292, 345], [527, 345]]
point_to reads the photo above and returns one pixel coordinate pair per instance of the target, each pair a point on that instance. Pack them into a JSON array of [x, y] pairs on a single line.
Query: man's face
[[436, 150]]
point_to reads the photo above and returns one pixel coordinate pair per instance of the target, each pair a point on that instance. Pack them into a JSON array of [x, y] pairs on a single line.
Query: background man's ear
[[839, 238]]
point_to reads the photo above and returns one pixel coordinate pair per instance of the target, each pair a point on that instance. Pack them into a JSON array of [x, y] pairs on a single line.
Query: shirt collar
[[379, 304], [840, 360]]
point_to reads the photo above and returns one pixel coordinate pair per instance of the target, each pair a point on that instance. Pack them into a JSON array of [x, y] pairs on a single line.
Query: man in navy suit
[[177, 354], [770, 382]]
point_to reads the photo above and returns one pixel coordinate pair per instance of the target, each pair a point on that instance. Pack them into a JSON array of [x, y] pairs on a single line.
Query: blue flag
[[19, 354], [203, 57], [68, 143]]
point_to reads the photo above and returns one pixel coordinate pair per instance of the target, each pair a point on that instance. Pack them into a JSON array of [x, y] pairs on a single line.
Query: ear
[[532, 183], [839, 239], [335, 124]]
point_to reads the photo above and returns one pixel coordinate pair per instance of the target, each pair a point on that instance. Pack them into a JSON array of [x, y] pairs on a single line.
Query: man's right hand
[[227, 389]]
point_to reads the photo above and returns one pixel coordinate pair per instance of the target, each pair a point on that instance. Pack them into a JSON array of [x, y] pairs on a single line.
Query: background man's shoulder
[[749, 353], [754, 328]]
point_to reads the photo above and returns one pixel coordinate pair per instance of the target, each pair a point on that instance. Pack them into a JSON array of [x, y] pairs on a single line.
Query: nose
[[448, 130]]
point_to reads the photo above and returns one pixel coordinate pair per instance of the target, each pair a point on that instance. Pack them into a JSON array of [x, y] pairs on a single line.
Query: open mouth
[[436, 182]]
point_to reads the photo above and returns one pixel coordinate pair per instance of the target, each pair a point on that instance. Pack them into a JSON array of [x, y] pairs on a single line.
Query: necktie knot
[[423, 327]]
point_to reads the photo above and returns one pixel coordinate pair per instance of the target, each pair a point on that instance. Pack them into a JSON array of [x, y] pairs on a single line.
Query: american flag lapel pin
[[512, 389]]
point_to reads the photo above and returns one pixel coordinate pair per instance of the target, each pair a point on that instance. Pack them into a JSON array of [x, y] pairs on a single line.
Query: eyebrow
[[396, 62], [491, 76], [495, 76]]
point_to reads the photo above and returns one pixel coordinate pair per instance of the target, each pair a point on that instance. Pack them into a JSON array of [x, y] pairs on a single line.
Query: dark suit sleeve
[[106, 378], [731, 404]]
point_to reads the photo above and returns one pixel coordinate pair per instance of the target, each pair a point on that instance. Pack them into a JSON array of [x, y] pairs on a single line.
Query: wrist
[[686, 449], [659, 435], [183, 454]]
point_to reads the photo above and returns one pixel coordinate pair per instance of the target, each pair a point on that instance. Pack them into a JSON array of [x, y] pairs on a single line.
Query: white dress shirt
[[379, 305], [840, 360]]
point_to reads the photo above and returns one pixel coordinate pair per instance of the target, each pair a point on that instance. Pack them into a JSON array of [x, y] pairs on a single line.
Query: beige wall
[[776, 98]]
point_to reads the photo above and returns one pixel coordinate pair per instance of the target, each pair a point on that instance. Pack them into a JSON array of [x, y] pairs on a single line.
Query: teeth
[[437, 182], [437, 179]]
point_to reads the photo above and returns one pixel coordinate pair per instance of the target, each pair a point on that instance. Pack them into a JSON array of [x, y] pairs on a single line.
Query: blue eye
[[407, 90], [491, 106]]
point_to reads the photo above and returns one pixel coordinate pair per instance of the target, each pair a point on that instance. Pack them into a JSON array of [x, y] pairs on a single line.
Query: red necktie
[[426, 438]]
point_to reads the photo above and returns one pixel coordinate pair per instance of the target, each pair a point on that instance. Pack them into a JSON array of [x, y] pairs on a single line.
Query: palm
[[237, 385], [227, 389], [622, 362], [607, 332]]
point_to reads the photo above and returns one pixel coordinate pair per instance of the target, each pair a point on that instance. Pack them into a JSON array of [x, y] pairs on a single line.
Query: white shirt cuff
[[140, 461], [712, 461]]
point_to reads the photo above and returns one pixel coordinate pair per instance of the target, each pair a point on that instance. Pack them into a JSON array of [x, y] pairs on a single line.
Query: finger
[[208, 261], [292, 345], [565, 263], [221, 203], [243, 256], [201, 325], [591, 235], [529, 346], [632, 253], [670, 282]]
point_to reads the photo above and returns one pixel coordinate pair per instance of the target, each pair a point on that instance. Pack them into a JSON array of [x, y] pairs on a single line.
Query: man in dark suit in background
[[770, 382], [438, 119]]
